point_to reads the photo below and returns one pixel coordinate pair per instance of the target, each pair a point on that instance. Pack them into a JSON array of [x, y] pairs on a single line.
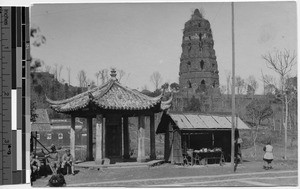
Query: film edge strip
[[15, 91]]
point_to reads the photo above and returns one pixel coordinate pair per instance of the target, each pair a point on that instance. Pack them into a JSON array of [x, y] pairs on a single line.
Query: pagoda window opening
[[214, 84], [189, 47], [189, 84], [200, 36], [188, 65], [213, 65], [201, 64], [203, 82]]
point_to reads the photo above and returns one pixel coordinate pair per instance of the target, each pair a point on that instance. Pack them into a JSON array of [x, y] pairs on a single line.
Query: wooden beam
[[99, 139], [152, 138], [89, 149], [141, 139], [72, 137], [126, 138]]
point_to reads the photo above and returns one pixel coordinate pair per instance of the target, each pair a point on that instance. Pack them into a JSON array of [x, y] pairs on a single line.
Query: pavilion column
[[152, 138], [126, 138], [72, 136], [89, 149], [99, 139], [141, 139]]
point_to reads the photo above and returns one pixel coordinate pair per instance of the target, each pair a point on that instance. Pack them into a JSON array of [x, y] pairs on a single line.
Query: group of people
[[268, 149], [64, 165]]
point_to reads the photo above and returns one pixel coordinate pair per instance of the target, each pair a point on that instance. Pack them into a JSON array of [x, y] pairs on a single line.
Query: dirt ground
[[85, 175]]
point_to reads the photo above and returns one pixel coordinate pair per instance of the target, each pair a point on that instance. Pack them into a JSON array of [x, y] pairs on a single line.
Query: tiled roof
[[194, 121], [42, 122], [111, 96]]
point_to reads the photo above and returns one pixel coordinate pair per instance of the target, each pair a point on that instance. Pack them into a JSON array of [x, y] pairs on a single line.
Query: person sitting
[[268, 157], [35, 165], [53, 159], [67, 162]]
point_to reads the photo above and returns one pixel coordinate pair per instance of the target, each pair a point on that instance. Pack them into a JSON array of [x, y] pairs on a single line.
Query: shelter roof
[[110, 96], [42, 122], [194, 121]]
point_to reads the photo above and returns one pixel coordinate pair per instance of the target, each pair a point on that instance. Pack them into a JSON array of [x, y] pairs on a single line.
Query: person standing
[[268, 156]]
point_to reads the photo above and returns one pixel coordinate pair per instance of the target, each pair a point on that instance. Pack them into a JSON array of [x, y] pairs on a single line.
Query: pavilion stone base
[[153, 157], [141, 159], [104, 161]]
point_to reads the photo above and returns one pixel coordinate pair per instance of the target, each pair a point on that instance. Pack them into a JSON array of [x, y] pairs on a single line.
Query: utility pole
[[285, 124], [232, 92]]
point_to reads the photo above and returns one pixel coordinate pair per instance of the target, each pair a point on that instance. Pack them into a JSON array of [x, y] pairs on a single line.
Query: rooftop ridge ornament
[[113, 74]]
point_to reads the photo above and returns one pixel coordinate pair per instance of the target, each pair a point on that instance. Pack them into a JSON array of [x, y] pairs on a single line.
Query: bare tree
[[282, 63], [60, 67], [240, 85], [258, 110], [156, 79], [223, 89], [145, 87], [121, 74], [47, 68], [252, 83], [97, 74], [103, 75], [228, 84], [69, 75], [270, 84], [82, 78], [55, 71]]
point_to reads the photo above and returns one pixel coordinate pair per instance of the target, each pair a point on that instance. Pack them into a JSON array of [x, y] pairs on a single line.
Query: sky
[[141, 38]]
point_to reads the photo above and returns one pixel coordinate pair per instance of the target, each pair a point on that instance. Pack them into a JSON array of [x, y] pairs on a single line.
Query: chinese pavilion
[[110, 105]]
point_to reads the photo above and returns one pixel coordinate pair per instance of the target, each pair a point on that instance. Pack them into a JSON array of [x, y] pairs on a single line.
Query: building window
[[202, 64], [38, 136], [60, 136], [214, 84], [203, 82], [49, 136], [189, 84]]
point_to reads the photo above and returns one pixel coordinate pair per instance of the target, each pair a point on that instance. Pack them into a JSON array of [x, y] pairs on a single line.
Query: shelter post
[[141, 139], [152, 137], [126, 138], [167, 145], [103, 137], [99, 139], [89, 148], [72, 136]]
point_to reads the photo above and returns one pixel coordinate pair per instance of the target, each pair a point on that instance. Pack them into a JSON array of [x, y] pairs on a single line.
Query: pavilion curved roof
[[110, 96]]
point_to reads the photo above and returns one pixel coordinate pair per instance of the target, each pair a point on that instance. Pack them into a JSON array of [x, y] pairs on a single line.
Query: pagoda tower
[[198, 64]]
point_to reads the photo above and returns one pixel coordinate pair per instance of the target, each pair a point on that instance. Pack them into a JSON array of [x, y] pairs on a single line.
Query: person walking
[[268, 156]]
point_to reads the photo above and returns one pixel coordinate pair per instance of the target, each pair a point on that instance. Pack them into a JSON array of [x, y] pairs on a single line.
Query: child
[[268, 157]]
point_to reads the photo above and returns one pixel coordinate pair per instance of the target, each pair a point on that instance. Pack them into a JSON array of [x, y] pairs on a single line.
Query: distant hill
[[45, 84]]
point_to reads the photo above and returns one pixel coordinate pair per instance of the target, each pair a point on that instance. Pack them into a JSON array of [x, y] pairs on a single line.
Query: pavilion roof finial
[[113, 74]]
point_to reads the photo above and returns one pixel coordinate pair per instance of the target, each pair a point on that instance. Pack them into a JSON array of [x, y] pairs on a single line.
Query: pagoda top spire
[[196, 14]]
